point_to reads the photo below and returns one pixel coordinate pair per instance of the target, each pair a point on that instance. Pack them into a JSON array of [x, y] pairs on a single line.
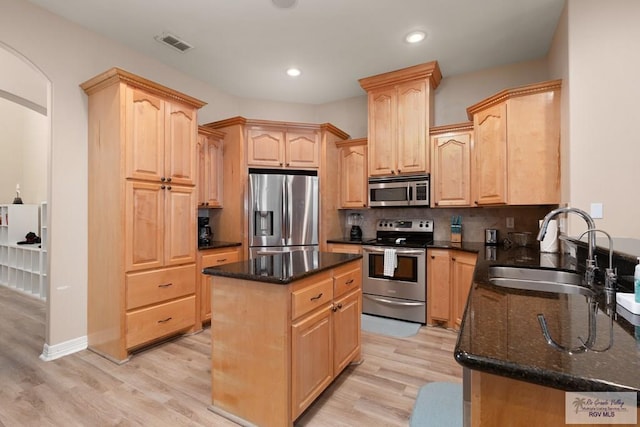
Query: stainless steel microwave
[[399, 191]]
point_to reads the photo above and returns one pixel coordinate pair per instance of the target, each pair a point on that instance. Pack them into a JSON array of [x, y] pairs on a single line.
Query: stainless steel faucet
[[591, 225]]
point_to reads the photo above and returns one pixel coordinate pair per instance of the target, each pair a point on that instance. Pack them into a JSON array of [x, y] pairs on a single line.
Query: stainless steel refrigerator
[[283, 211]]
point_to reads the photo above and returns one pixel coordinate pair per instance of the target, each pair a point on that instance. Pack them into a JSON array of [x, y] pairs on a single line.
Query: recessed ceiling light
[[415, 37], [294, 72], [284, 4]]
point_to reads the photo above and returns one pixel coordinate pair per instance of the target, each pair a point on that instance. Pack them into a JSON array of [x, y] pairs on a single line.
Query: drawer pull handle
[[166, 285], [316, 297], [349, 282], [222, 260], [165, 320]]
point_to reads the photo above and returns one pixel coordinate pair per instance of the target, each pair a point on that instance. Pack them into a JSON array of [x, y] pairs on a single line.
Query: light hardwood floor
[[169, 385]]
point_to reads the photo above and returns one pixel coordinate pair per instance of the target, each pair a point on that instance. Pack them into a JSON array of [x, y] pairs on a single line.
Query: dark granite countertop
[[282, 268], [500, 333], [347, 241], [216, 244]]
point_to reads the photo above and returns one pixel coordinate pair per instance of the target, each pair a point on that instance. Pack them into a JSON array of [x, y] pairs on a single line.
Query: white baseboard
[[52, 352]]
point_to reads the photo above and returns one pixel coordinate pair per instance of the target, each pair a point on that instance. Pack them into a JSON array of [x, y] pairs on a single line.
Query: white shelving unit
[[22, 267]]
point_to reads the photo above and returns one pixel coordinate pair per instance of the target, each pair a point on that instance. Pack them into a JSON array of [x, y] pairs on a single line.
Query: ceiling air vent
[[174, 41]]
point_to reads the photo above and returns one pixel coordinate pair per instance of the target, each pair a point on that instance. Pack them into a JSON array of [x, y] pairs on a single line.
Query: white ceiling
[[243, 47]]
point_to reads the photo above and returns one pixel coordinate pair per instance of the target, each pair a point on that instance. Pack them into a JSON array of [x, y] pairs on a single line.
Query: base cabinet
[[270, 362], [450, 273], [212, 258], [344, 248]]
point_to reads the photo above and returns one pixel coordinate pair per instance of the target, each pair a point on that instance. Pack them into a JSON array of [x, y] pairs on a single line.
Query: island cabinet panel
[[141, 212], [312, 363], [276, 347], [502, 401]]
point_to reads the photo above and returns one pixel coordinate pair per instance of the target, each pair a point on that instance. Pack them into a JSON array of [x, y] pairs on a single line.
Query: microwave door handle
[[411, 194], [408, 193]]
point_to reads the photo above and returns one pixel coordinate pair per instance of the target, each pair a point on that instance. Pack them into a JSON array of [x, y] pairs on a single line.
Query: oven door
[[408, 280]]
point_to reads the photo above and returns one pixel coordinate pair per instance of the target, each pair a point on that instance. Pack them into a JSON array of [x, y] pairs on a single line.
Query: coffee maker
[[205, 235], [355, 220]]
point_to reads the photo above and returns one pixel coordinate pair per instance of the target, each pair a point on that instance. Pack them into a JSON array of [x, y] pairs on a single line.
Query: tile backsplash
[[474, 220]]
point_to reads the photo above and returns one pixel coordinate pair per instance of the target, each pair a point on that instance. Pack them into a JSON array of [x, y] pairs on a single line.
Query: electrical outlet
[[510, 222], [596, 210]]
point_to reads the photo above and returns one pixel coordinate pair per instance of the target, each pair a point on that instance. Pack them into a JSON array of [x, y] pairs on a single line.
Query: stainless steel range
[[395, 269]]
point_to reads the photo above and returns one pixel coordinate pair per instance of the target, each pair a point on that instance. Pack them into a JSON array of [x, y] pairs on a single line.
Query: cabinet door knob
[[162, 187], [169, 187], [163, 179], [433, 257], [169, 179], [453, 258]]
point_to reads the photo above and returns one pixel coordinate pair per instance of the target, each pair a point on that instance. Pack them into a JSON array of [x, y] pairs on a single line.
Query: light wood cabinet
[[288, 146], [451, 165], [296, 340], [253, 143], [212, 258], [142, 212], [353, 173], [209, 149], [345, 248], [517, 135], [450, 274], [463, 265], [400, 108]]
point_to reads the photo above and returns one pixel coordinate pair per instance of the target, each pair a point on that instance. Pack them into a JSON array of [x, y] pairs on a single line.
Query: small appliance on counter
[[205, 235], [355, 221], [490, 237]]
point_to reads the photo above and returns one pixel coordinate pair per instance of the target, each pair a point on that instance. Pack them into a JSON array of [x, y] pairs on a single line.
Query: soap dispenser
[[636, 281]]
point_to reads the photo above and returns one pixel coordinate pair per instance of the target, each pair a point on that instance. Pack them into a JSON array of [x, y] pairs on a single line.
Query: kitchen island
[[283, 327], [513, 376]]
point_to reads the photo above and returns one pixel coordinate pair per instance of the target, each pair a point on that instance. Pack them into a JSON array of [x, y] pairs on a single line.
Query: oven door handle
[[398, 251], [392, 302]]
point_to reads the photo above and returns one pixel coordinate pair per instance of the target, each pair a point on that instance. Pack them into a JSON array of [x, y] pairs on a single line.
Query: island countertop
[[282, 268], [500, 333]]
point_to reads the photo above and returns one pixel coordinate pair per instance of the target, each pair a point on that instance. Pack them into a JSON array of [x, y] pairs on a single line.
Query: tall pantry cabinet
[[142, 212]]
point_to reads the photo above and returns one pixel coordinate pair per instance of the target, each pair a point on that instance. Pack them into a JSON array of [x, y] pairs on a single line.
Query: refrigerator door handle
[[285, 213]]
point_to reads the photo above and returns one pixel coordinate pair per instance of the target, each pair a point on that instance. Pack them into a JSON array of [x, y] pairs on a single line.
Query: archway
[[25, 107]]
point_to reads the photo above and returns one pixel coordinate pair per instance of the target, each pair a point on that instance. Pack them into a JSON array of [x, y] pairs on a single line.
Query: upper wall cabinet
[[517, 146], [210, 162], [451, 165], [290, 147], [353, 173], [400, 105]]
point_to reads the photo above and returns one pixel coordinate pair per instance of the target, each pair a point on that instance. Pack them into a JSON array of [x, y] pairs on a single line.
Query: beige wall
[[23, 153], [595, 52]]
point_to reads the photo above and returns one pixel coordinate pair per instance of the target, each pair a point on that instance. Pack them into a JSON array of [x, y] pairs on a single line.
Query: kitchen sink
[[536, 279]]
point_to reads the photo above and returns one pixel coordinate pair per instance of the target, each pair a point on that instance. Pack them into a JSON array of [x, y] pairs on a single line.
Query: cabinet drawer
[[155, 322], [220, 258], [347, 281], [154, 286], [311, 297]]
